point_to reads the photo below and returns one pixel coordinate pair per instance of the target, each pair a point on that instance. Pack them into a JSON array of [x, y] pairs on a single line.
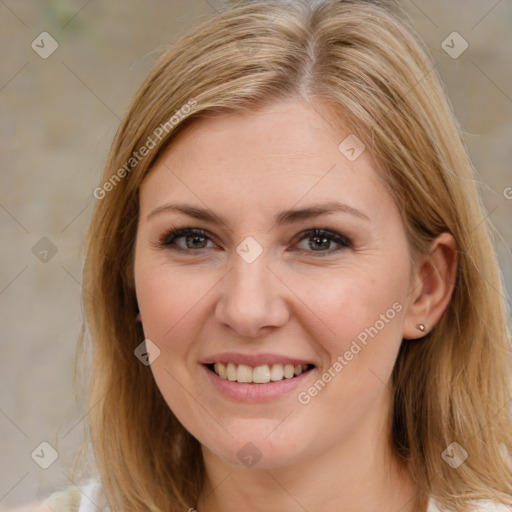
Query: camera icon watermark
[[454, 455], [454, 45], [249, 455], [351, 147], [44, 250], [44, 455], [44, 45], [249, 250], [248, 48], [147, 352]]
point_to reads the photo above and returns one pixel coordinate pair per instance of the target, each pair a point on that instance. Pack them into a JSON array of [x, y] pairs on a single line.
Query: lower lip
[[244, 392]]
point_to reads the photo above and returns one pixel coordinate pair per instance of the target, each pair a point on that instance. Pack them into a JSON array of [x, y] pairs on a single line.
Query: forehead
[[283, 153]]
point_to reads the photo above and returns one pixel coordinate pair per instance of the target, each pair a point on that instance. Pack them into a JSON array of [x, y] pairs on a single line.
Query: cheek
[[362, 314], [169, 302], [367, 318], [167, 299], [348, 304]]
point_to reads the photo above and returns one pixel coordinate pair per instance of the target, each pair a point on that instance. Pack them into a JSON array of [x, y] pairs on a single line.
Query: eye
[[190, 238], [319, 240]]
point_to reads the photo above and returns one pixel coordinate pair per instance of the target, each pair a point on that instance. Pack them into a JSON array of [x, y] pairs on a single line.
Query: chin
[[258, 451]]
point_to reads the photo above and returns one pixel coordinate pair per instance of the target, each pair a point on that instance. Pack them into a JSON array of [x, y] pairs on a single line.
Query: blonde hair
[[363, 61]]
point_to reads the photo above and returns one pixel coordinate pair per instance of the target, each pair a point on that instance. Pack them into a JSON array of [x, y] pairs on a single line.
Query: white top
[[479, 506], [92, 499]]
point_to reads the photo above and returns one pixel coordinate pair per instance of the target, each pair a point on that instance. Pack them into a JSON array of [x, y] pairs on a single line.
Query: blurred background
[[68, 70]]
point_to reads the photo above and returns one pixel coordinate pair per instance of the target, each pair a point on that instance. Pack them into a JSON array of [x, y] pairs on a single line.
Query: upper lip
[[253, 359]]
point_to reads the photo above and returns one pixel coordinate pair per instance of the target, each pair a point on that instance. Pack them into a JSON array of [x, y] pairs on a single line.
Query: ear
[[432, 287]]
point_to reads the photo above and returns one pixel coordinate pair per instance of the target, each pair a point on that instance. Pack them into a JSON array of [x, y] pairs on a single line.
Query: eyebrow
[[285, 217]]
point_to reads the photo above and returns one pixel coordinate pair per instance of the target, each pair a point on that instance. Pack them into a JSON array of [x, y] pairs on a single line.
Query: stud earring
[[421, 327]]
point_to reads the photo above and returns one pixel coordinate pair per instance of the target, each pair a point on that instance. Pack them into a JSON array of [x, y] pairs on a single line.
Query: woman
[[292, 297]]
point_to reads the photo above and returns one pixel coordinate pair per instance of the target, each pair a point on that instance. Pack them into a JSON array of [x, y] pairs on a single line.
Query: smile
[[261, 374]]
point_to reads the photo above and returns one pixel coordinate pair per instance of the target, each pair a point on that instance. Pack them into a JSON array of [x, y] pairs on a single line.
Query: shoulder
[[76, 498], [66, 500], [478, 506], [32, 507]]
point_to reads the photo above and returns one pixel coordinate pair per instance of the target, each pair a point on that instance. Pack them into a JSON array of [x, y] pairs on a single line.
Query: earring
[[422, 328]]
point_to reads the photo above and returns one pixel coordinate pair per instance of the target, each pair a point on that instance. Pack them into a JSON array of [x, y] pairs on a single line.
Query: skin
[[333, 453]]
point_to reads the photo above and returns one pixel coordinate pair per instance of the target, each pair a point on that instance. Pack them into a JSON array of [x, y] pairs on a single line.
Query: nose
[[252, 301]]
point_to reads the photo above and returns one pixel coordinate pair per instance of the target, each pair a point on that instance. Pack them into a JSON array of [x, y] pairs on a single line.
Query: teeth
[[276, 372], [260, 374], [244, 373], [230, 372], [289, 371], [220, 370]]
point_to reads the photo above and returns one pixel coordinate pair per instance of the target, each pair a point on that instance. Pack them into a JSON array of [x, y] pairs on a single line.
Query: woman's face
[[253, 290]]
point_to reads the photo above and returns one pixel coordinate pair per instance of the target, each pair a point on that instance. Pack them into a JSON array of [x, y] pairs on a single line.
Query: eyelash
[[168, 240]]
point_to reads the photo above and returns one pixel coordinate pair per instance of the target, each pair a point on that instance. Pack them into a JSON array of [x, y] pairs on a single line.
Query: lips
[[250, 392]]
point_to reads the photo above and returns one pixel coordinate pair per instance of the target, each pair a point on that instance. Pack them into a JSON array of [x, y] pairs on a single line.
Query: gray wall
[[57, 118]]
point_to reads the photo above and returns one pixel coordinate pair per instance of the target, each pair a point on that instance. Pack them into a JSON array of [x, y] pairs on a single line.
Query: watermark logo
[[44, 455], [44, 45], [44, 250], [147, 352], [454, 455], [248, 47], [454, 45], [249, 250], [249, 455], [158, 134], [351, 147], [361, 341]]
